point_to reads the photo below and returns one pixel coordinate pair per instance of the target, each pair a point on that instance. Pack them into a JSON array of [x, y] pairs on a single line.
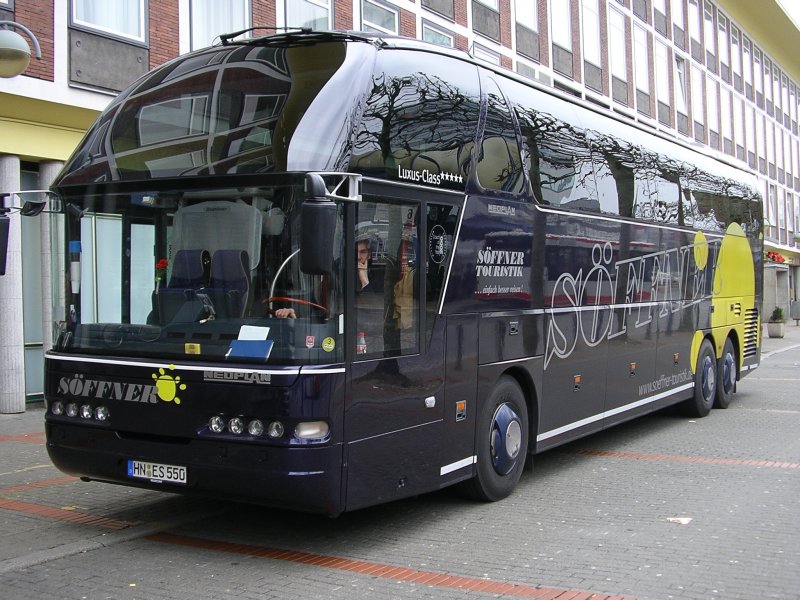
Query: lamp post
[[15, 54]]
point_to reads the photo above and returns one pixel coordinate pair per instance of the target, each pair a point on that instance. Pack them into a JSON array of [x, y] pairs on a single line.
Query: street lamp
[[15, 54]]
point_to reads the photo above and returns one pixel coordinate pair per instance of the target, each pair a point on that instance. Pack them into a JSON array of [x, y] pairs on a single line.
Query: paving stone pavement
[[662, 507]]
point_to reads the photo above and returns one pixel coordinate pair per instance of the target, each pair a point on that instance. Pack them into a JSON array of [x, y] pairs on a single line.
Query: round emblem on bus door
[[438, 244], [328, 344]]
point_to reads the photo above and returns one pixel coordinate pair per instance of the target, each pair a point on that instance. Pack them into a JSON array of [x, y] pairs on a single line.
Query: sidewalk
[[771, 345]]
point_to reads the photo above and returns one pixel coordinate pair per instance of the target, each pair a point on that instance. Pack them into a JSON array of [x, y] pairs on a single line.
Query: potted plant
[[776, 323]]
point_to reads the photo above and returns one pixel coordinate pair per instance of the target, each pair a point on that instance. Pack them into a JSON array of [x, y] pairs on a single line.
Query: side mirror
[[318, 218], [31, 208]]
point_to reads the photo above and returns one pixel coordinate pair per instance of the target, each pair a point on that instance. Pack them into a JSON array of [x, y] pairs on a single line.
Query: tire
[[726, 376], [502, 443], [705, 383]]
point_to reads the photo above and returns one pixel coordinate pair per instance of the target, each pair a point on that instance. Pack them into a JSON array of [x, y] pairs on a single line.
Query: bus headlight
[[86, 412], [236, 425], [216, 424], [57, 407], [101, 413], [255, 427], [275, 429], [311, 430], [72, 409]]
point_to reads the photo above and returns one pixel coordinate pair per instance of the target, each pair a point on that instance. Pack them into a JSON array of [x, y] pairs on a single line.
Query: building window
[[771, 208], [616, 35], [641, 59], [761, 143], [591, 32], [485, 55], [749, 133], [797, 213], [378, 18], [712, 106], [678, 29], [694, 24], [493, 4], [209, 18], [785, 96], [758, 78], [681, 95], [660, 16], [698, 103], [123, 18], [770, 127], [618, 56], [768, 84], [527, 15], [662, 83], [736, 59], [561, 23], [725, 110], [747, 68], [708, 32], [738, 127], [438, 36], [641, 71], [722, 44], [315, 14]]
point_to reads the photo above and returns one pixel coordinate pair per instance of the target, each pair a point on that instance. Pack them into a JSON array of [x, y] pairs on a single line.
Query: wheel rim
[[506, 439], [728, 373], [708, 379]]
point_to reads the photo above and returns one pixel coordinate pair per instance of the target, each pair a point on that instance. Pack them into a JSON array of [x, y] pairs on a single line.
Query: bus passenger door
[[394, 404]]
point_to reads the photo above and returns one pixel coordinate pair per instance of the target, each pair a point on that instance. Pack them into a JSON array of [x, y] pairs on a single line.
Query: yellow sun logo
[[168, 386]]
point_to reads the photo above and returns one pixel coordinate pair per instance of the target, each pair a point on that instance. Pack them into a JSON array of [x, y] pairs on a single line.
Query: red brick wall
[[263, 15], [37, 15], [462, 43], [343, 15], [461, 12], [505, 23], [577, 42], [408, 24], [604, 43], [544, 39], [163, 31]]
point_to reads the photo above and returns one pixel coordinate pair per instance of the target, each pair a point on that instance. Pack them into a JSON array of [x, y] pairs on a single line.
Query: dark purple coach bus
[[322, 271]]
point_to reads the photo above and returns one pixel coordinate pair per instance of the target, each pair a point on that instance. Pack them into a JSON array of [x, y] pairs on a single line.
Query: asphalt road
[[663, 507]]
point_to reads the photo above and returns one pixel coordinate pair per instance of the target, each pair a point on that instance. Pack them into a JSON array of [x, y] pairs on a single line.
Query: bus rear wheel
[[726, 376], [705, 383], [502, 443]]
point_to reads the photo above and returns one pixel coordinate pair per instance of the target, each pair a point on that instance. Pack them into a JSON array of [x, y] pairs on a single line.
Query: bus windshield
[[199, 274]]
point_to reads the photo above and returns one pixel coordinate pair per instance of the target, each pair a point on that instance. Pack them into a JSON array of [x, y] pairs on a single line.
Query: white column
[[50, 258], [12, 355]]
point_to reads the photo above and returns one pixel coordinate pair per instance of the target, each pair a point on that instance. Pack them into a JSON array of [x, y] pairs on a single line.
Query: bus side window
[[499, 163], [558, 161], [387, 308]]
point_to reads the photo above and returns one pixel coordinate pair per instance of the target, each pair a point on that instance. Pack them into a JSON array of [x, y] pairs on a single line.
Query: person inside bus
[[362, 271]]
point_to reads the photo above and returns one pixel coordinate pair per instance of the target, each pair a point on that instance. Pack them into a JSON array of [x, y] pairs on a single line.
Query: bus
[[325, 270]]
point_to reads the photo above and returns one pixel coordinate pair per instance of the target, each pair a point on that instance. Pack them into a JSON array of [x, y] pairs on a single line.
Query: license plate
[[156, 472]]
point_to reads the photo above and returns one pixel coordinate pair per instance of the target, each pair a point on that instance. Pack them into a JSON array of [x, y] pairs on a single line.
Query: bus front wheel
[[705, 382], [502, 442]]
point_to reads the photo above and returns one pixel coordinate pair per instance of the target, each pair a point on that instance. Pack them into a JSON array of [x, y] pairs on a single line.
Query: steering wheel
[[271, 299]]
